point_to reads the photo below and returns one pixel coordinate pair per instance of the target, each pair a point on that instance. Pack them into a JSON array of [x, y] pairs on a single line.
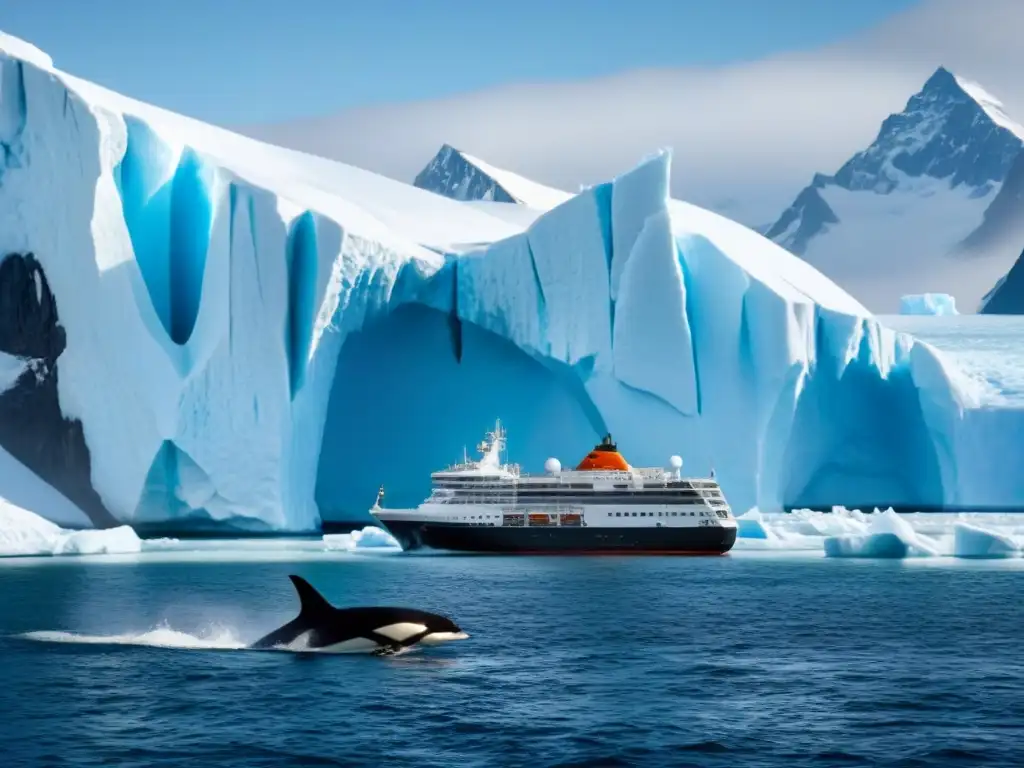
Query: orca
[[380, 631]]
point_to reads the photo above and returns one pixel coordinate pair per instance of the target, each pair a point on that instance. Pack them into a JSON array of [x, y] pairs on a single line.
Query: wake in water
[[218, 638]]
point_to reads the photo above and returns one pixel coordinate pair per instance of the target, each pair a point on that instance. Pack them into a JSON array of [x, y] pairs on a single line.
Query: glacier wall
[[679, 331], [248, 339], [194, 306]]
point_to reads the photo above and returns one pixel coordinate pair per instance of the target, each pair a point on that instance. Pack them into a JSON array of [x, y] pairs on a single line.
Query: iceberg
[[928, 304], [231, 335]]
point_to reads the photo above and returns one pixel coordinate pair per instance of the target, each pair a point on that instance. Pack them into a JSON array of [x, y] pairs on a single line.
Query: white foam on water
[[369, 537], [217, 638]]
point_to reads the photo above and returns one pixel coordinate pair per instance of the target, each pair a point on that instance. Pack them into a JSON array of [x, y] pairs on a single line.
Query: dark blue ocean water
[[729, 661]]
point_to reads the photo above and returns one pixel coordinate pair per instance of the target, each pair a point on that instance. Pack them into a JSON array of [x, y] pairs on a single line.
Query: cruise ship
[[602, 506]]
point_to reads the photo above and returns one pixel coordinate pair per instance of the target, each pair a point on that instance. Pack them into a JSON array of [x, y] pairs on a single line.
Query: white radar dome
[[676, 462], [553, 466]]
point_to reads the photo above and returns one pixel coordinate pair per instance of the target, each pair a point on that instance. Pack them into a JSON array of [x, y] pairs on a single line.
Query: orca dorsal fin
[[311, 602]]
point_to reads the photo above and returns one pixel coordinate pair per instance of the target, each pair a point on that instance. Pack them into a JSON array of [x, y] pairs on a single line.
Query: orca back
[[323, 625]]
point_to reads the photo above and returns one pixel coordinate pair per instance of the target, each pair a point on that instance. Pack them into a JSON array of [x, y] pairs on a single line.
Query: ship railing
[[620, 475]]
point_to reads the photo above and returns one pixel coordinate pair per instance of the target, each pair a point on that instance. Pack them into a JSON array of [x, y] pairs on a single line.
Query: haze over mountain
[[746, 138]]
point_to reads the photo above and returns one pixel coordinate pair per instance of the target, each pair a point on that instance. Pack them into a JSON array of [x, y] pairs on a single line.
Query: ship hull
[[692, 540]]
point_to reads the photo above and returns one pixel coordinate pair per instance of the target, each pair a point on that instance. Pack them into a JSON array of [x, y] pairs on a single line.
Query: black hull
[[711, 540]]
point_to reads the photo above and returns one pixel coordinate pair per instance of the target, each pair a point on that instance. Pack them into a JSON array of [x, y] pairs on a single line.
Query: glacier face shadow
[[403, 405]]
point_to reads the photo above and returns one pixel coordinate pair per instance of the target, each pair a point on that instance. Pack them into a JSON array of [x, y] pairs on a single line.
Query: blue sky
[[246, 61]]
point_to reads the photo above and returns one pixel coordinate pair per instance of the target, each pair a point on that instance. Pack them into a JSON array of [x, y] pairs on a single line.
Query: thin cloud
[[746, 138]]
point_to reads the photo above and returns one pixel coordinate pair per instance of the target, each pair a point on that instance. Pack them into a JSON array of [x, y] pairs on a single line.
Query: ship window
[[618, 514], [634, 514]]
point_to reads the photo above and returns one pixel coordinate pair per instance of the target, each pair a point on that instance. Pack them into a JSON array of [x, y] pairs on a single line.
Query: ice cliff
[[217, 332]]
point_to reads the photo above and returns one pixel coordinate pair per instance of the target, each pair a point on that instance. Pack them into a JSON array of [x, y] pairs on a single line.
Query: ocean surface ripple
[[572, 662]]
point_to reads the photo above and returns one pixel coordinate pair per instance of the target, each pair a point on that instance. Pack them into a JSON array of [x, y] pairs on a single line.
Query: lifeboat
[[605, 456]]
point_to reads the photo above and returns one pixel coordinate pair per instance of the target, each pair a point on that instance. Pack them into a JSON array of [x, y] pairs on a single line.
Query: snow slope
[[240, 335], [897, 217]]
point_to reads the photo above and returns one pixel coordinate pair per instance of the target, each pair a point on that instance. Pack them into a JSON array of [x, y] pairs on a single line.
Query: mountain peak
[[952, 132], [941, 80], [460, 176], [916, 192], [454, 174], [951, 129]]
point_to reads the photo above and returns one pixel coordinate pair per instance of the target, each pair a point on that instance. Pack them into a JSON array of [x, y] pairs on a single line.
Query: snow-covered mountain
[[199, 329], [460, 176], [899, 216]]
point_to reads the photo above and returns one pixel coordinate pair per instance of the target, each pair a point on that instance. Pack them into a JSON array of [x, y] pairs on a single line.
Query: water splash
[[162, 636]]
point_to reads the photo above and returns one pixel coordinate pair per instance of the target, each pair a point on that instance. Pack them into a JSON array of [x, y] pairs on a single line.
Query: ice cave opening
[[860, 439], [404, 405]]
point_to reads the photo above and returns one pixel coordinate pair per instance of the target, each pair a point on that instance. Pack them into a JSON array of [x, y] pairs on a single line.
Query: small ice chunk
[[888, 536], [370, 537], [751, 525], [113, 541], [977, 542]]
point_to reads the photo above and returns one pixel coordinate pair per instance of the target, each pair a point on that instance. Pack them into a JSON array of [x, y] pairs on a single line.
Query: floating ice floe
[[369, 537], [888, 536], [24, 533], [883, 534]]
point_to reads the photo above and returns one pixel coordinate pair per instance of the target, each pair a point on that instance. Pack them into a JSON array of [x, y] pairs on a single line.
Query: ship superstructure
[[603, 505]]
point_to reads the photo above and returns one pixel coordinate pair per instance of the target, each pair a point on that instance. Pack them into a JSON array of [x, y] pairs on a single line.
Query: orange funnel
[[605, 456]]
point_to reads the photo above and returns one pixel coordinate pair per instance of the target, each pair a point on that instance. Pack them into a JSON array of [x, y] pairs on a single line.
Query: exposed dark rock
[[32, 427], [450, 174]]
